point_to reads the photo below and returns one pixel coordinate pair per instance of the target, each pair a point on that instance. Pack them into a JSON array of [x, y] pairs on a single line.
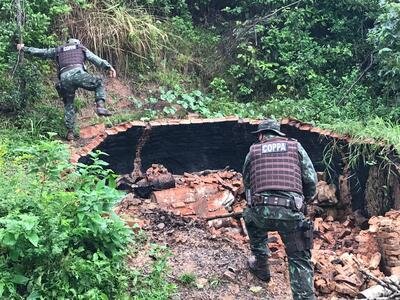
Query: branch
[[358, 79], [384, 283], [249, 25], [20, 20]]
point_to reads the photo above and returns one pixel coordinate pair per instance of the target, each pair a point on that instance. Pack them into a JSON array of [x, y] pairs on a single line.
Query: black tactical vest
[[275, 165], [68, 55]]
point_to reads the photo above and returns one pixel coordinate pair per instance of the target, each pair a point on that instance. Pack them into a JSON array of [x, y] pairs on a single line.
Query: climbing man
[[280, 180], [70, 59]]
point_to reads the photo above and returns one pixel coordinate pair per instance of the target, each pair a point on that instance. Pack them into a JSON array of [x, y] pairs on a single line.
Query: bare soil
[[119, 101], [218, 263]]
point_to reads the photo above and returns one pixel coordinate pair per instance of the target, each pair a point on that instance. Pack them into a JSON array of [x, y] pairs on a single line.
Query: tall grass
[[376, 129], [118, 33]]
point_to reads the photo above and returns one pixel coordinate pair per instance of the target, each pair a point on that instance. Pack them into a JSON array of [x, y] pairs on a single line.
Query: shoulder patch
[[274, 147]]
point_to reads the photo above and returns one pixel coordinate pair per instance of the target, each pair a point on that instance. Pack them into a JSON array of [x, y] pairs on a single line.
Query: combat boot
[[101, 110], [259, 267], [70, 135]]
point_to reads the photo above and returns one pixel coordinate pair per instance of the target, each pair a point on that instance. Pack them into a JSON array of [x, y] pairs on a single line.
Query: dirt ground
[[218, 263]]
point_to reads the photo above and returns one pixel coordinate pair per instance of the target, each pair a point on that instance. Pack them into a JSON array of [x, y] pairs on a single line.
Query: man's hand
[[112, 73], [20, 47]]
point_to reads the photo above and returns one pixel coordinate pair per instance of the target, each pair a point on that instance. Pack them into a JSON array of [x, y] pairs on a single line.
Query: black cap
[[269, 125]]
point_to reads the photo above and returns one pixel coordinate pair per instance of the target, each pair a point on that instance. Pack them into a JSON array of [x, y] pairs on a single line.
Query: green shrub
[[384, 37], [22, 90], [58, 235], [283, 54]]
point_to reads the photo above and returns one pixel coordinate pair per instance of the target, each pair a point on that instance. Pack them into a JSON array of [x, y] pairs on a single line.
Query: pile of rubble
[[202, 194], [386, 231], [343, 254], [341, 249]]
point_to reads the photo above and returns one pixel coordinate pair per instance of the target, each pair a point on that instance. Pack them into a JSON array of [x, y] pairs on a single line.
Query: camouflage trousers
[[261, 219], [70, 81]]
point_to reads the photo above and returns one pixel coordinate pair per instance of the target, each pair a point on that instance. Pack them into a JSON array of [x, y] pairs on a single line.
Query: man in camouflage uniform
[[70, 59], [280, 180]]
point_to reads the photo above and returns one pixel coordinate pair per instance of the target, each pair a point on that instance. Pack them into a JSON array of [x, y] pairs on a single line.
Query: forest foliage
[[339, 58]]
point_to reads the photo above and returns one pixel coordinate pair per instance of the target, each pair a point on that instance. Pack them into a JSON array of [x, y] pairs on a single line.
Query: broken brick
[[375, 261], [346, 289], [178, 204]]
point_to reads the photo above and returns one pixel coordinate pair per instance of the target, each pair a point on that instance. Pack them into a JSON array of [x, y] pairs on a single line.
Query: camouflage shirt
[[51, 53], [308, 174]]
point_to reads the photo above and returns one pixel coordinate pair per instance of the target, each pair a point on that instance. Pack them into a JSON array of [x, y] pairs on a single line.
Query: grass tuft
[[187, 278]]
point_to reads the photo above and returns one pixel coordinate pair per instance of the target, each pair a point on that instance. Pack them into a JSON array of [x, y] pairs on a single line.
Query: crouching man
[[280, 179]]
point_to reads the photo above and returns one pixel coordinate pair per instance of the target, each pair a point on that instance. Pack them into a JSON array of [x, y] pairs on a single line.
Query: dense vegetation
[[59, 237], [327, 62], [334, 63]]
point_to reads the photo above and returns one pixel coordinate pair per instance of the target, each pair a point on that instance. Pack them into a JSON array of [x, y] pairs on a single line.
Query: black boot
[[259, 267], [70, 135], [100, 109]]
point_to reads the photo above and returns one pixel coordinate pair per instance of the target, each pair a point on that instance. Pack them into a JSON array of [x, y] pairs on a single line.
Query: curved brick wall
[[197, 144]]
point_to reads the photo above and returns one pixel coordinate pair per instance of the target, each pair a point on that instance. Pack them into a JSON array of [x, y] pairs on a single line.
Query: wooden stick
[[19, 14]]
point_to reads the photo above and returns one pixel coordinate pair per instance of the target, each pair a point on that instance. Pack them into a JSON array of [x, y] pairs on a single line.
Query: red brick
[[138, 124], [178, 204], [120, 128], [111, 131], [305, 127], [91, 131]]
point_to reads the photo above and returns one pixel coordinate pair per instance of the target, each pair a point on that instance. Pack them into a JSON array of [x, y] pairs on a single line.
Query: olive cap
[[269, 125], [73, 41]]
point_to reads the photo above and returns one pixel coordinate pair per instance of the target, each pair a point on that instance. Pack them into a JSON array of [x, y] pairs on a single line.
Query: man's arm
[[246, 172], [39, 52], [308, 174], [98, 62]]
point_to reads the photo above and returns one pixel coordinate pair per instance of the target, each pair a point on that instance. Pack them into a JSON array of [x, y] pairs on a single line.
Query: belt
[[70, 67], [273, 201]]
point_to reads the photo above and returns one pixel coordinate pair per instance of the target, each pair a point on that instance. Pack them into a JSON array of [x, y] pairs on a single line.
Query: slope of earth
[[218, 264], [120, 101]]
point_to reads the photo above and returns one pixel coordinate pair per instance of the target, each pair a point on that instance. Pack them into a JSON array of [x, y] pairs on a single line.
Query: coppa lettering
[[274, 147], [67, 48]]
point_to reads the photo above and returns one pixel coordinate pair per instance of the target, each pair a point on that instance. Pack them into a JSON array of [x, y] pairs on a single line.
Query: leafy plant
[[384, 38], [58, 234], [165, 7], [194, 101], [279, 49], [187, 278]]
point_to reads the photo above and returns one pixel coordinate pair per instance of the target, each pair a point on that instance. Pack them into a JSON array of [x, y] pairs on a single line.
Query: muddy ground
[[216, 262]]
